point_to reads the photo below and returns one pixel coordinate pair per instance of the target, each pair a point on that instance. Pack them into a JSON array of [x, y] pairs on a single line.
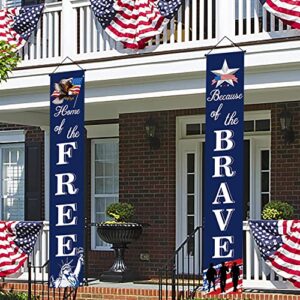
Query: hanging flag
[[67, 165], [17, 24], [279, 245], [17, 242], [287, 10], [223, 198], [134, 22]]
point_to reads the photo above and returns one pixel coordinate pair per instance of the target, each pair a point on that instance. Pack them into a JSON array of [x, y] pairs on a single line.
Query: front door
[[190, 179]]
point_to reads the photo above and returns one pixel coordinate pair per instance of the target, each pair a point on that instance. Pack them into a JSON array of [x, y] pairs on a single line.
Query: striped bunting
[[134, 22], [17, 242], [17, 24], [287, 10], [279, 245]]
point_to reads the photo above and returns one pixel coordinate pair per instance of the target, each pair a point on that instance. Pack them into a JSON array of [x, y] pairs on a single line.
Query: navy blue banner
[[223, 203], [67, 139]]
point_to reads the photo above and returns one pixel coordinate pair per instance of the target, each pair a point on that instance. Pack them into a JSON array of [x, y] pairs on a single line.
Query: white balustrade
[[69, 28], [45, 42]]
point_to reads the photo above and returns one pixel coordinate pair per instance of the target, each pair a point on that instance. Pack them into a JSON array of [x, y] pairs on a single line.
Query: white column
[[225, 18], [68, 30], [46, 171]]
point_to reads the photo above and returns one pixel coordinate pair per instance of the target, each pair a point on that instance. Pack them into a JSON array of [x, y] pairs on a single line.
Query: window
[[265, 173], [12, 181], [10, 3], [105, 182]]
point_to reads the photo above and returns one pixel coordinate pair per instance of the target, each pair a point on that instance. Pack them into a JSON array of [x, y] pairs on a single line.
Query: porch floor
[[97, 290]]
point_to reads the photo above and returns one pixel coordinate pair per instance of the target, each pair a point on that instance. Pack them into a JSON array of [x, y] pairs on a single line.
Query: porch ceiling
[[109, 107], [161, 82]]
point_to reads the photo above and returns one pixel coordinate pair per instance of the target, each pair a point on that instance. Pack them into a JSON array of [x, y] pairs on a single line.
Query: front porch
[[259, 281]]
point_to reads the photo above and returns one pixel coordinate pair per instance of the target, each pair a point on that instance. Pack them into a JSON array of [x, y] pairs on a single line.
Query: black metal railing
[[39, 288], [180, 277]]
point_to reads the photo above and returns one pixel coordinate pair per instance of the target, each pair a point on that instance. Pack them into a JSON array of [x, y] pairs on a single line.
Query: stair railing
[[179, 279]]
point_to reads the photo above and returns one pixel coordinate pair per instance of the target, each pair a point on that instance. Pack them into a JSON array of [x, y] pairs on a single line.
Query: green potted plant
[[277, 210], [119, 231]]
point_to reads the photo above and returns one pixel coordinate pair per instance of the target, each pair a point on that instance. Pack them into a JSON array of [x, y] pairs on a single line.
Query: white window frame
[[93, 220], [10, 146], [10, 139]]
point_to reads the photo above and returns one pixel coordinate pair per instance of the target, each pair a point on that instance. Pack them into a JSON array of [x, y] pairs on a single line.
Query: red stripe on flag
[[283, 10]]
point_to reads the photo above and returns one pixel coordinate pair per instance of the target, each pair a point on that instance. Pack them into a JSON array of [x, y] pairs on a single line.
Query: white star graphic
[[225, 71]]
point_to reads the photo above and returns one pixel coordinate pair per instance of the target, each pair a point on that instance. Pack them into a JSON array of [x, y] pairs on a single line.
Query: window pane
[[265, 182], [192, 129], [99, 186], [99, 168], [191, 163], [262, 125], [12, 183], [265, 160], [248, 126], [109, 188], [99, 151], [190, 184], [190, 205], [265, 198]]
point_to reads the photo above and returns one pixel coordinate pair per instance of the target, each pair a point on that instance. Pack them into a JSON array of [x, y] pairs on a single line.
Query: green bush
[[277, 210], [120, 211], [15, 296], [9, 59]]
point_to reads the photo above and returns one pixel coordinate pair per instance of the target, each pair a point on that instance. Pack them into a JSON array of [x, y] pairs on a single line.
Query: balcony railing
[[257, 275], [69, 28]]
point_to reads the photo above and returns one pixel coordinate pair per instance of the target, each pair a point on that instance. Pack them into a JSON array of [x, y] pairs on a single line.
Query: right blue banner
[[223, 198]]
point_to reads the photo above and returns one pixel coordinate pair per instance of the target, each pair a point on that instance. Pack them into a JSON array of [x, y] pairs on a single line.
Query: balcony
[[69, 28]]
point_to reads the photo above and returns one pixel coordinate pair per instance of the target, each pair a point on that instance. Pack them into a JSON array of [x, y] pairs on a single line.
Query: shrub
[[120, 211], [277, 210], [11, 295]]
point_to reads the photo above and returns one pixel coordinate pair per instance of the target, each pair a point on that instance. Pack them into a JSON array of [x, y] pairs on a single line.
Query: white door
[[189, 188], [189, 204]]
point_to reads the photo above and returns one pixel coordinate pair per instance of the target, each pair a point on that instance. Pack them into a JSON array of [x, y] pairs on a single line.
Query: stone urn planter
[[119, 235]]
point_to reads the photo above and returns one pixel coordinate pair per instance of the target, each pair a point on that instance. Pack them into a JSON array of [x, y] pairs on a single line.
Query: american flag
[[17, 242], [279, 245], [287, 10], [229, 284], [16, 24], [134, 22]]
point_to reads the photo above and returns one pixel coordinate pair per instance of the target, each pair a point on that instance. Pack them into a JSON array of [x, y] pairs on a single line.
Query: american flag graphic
[[134, 22], [75, 89], [16, 24], [279, 245], [229, 283], [17, 242], [287, 10]]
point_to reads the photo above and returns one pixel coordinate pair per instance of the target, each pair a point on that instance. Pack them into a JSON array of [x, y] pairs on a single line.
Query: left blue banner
[[67, 139]]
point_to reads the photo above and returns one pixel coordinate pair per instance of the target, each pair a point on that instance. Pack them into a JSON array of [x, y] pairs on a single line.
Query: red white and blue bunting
[[134, 22]]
